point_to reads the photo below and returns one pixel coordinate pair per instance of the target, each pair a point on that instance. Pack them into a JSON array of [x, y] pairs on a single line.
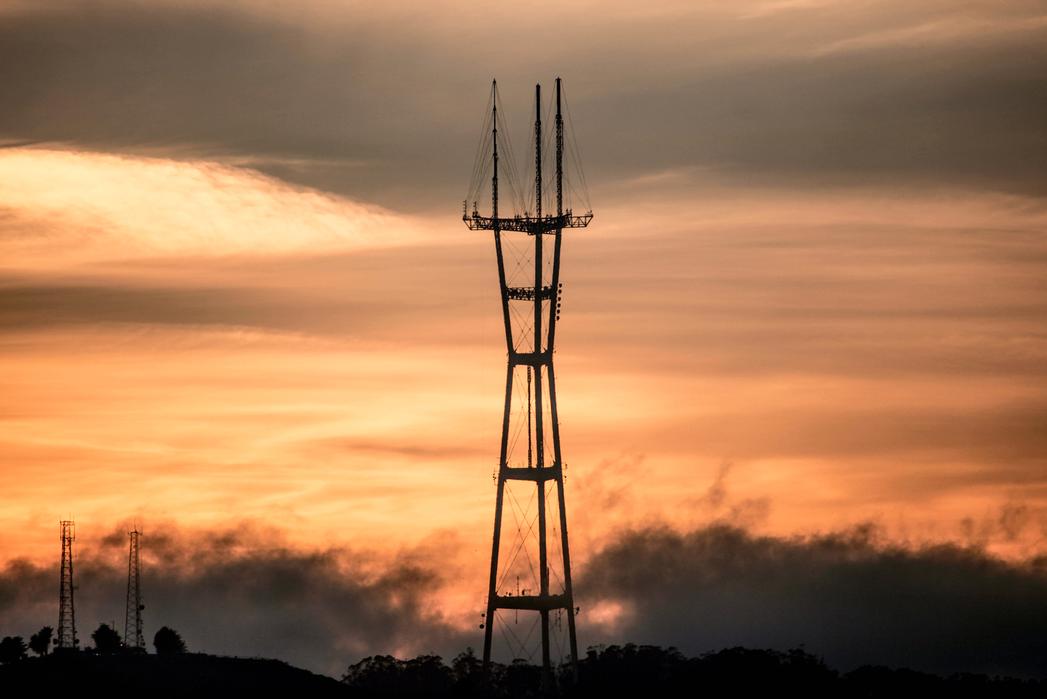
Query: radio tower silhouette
[[133, 611], [67, 639], [527, 250]]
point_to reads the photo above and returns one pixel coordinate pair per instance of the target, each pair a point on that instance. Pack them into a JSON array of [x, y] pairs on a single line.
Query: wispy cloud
[[73, 206]]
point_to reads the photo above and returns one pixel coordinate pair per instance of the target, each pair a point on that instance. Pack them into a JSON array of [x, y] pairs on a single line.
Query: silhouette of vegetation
[[638, 670], [665, 672], [12, 649], [106, 639], [40, 642], [385, 675], [643, 670], [149, 676], [468, 674], [167, 641]]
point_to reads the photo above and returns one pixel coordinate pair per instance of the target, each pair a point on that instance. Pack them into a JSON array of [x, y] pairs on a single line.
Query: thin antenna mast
[[559, 153], [494, 148]]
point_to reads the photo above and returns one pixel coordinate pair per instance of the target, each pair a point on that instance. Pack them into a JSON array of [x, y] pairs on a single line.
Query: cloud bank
[[848, 596], [242, 591]]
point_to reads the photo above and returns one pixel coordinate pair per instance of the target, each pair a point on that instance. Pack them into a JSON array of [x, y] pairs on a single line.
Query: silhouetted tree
[[521, 679], [665, 673], [12, 649], [106, 639], [167, 641], [879, 681], [427, 675], [40, 642], [377, 674], [468, 672], [629, 668]]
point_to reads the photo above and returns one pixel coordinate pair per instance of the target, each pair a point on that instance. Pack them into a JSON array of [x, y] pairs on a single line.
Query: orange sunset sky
[[236, 294]]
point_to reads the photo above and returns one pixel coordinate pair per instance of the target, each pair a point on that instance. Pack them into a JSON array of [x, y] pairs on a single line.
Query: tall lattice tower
[[133, 610], [530, 570], [67, 639]]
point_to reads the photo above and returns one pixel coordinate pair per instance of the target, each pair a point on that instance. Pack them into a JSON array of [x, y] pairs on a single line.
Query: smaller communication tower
[[67, 639], [133, 637]]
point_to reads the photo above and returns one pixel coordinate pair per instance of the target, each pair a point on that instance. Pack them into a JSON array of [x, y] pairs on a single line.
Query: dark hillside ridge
[[629, 670], [188, 675]]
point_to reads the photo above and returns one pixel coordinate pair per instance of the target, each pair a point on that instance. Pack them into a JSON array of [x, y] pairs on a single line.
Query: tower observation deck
[[530, 600]]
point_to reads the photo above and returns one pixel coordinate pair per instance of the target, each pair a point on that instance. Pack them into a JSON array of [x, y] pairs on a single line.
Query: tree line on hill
[[603, 671], [166, 641], [643, 669]]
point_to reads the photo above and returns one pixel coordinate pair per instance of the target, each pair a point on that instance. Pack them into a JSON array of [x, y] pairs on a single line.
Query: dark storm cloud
[[382, 102], [234, 592], [844, 595]]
